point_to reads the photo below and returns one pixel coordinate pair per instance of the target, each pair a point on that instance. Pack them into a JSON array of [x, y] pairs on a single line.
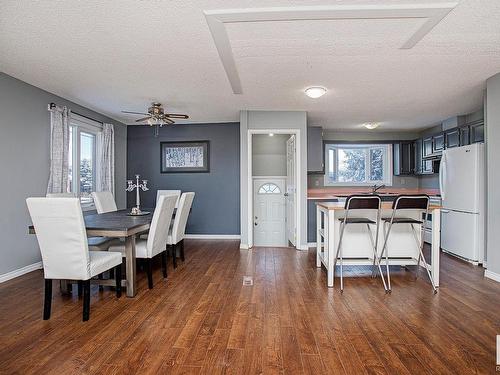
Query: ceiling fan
[[157, 116]]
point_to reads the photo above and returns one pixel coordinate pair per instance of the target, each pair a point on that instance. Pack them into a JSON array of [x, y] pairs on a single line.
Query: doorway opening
[[274, 181]]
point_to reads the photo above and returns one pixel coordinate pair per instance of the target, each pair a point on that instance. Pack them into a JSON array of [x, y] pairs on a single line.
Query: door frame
[[298, 174]]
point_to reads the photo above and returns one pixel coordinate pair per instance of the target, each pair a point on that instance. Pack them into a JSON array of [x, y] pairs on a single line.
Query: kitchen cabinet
[[315, 150], [464, 135], [404, 158], [427, 147], [428, 166], [452, 138], [417, 148], [477, 131], [438, 144]]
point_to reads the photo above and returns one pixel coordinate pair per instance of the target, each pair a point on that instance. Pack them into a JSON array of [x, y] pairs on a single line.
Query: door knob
[[286, 194], [255, 224]]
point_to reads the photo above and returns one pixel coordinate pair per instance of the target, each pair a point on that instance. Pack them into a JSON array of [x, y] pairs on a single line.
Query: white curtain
[[105, 174], [59, 148]]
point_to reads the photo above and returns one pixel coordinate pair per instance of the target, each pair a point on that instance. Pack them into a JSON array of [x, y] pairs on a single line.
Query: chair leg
[[421, 256], [164, 263], [118, 280], [149, 271], [47, 303], [384, 250], [174, 255], [182, 250], [375, 257], [337, 255], [86, 300], [79, 288]]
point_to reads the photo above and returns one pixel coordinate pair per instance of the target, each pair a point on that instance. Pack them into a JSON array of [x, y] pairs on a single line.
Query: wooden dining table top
[[115, 224]]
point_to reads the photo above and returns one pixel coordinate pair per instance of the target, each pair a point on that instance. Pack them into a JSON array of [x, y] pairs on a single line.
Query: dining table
[[119, 224]]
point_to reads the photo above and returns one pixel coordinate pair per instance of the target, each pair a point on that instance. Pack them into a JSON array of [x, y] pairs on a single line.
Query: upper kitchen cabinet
[[315, 150], [464, 135], [427, 147], [477, 131], [418, 148], [438, 144], [452, 137], [404, 158]]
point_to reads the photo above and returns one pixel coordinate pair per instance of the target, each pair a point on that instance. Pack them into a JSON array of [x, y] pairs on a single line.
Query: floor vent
[[247, 280]]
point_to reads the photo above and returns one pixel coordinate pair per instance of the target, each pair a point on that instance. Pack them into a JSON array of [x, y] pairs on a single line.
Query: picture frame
[[185, 157]]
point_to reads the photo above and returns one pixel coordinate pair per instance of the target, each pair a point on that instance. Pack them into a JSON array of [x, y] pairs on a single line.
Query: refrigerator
[[462, 185]]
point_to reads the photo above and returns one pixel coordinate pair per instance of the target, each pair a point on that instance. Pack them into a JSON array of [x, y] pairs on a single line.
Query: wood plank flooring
[[202, 320]]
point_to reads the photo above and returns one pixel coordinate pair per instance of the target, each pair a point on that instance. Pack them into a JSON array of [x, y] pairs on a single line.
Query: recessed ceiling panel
[[320, 37]]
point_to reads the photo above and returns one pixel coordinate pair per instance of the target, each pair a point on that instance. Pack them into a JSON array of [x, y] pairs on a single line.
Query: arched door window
[[269, 188]]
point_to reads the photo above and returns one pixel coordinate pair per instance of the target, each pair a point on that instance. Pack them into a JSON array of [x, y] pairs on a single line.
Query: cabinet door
[[464, 135], [452, 138], [427, 147], [404, 158], [417, 148], [438, 143], [477, 133], [427, 167], [315, 150]]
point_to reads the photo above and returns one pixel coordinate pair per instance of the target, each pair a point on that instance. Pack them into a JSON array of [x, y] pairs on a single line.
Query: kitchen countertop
[[335, 192]]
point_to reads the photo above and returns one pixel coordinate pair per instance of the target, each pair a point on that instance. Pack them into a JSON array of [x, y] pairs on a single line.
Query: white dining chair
[[177, 193], [104, 201], [62, 238], [156, 242], [178, 230]]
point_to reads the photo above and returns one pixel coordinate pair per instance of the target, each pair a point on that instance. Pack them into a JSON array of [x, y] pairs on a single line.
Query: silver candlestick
[[131, 186]]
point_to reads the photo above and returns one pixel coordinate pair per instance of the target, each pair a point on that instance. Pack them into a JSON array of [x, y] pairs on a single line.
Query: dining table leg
[[130, 265]]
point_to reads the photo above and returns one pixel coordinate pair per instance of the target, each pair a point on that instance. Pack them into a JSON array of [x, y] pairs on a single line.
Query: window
[[269, 188], [82, 158], [358, 164]]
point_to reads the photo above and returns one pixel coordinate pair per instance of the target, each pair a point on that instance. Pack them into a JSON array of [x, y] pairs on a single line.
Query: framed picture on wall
[[185, 156]]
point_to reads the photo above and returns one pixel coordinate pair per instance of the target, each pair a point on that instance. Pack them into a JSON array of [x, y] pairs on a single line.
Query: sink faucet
[[377, 187]]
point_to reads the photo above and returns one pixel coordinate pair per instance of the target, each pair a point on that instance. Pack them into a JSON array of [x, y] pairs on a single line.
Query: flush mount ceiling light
[[315, 92], [271, 134], [371, 125]]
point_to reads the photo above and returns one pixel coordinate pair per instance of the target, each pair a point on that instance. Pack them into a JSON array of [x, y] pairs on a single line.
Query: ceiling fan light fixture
[[371, 125], [315, 92]]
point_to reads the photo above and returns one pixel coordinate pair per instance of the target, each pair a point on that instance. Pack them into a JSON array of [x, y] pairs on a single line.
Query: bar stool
[[408, 202], [360, 202]]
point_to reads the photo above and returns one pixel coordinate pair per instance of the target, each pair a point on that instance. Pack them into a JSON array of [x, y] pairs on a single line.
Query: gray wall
[[493, 173], [24, 155], [273, 120], [269, 154], [216, 207]]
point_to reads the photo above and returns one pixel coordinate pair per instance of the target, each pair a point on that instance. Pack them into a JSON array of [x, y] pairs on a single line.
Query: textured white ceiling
[[121, 55]]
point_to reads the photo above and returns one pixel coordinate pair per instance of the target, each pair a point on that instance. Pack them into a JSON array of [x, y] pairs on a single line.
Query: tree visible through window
[[356, 164]]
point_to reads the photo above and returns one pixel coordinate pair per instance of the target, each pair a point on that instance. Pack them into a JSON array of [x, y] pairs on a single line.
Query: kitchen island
[[356, 245]]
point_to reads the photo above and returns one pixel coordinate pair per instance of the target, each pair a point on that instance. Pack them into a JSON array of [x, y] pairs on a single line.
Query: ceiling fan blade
[[135, 113], [170, 121], [176, 115], [143, 119]]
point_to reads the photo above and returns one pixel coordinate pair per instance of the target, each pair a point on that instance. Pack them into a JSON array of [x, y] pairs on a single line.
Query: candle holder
[[137, 186]]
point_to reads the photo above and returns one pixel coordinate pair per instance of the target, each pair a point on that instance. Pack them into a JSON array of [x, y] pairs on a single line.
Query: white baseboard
[[19, 272], [492, 275], [244, 246], [212, 236]]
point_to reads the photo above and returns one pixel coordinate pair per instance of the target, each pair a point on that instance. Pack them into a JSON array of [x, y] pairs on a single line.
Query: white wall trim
[[212, 236], [21, 271], [216, 20], [244, 246], [492, 275]]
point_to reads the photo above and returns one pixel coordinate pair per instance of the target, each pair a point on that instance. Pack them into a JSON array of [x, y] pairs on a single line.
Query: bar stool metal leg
[[386, 252], [421, 255], [375, 256], [342, 228]]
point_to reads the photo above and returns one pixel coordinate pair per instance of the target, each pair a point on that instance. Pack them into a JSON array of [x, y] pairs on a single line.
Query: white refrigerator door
[[459, 177], [459, 234]]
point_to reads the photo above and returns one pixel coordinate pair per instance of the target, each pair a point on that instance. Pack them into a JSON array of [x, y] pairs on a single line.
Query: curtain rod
[[54, 105]]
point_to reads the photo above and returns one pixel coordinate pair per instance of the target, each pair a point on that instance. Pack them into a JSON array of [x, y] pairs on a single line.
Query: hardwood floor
[[202, 320]]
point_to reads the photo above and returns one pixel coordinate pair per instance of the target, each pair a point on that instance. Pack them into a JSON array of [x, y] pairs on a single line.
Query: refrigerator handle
[[445, 211], [441, 175]]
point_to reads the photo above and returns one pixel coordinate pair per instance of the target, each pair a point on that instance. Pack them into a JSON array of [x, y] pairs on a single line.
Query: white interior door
[[290, 195], [269, 212]]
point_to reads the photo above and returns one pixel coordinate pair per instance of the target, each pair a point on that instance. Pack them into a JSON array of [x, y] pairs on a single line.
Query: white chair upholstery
[[177, 231], [61, 234], [104, 201], [177, 193], [60, 195], [156, 242]]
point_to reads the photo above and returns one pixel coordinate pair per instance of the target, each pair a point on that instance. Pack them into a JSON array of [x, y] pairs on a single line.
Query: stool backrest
[[60, 231], [362, 202], [411, 202], [104, 201]]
